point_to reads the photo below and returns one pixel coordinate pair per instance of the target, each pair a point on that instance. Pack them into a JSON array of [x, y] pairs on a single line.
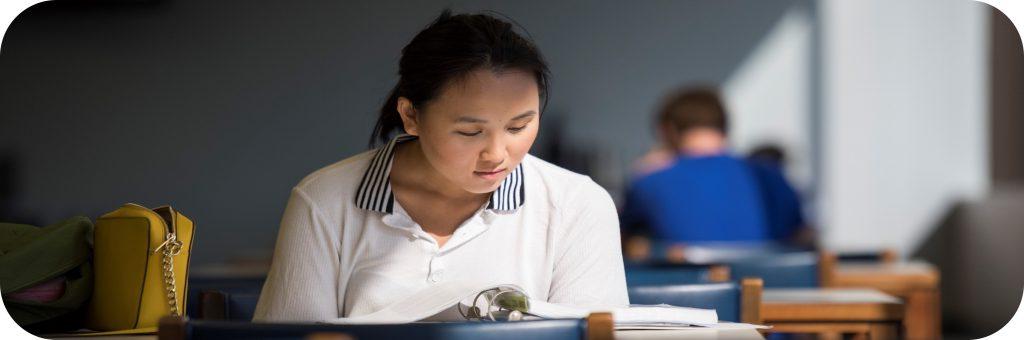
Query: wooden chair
[[597, 326], [831, 313], [827, 262], [915, 282]]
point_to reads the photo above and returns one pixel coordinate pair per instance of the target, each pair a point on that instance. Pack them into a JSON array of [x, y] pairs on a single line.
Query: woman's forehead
[[486, 95]]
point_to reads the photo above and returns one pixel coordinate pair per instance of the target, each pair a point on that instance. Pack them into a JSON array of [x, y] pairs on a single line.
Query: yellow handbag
[[140, 261]]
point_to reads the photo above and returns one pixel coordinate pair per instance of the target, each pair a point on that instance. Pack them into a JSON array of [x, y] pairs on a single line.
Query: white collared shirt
[[347, 248]]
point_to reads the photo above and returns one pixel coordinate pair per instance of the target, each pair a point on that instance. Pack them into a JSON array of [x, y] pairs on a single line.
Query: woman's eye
[[516, 129], [468, 134]]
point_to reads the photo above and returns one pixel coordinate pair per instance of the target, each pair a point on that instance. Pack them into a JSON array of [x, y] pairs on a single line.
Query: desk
[[917, 283], [738, 334], [107, 337], [868, 313]]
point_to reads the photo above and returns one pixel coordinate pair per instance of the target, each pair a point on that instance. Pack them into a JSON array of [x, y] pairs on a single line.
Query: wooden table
[[867, 313], [917, 283], [738, 334]]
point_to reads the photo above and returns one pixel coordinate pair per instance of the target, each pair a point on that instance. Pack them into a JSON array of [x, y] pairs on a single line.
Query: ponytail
[[388, 121]]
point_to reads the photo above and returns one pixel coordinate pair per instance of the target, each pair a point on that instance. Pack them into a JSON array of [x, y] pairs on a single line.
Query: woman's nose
[[494, 151]]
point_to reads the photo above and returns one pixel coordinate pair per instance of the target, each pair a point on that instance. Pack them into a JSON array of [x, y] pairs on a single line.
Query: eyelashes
[[474, 133]]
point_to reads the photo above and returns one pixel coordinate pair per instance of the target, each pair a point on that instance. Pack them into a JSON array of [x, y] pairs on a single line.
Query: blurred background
[[901, 121]]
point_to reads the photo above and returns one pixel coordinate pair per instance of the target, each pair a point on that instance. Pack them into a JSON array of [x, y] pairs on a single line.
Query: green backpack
[[30, 256]]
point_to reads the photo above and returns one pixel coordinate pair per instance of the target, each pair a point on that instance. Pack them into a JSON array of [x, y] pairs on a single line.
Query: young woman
[[454, 195]]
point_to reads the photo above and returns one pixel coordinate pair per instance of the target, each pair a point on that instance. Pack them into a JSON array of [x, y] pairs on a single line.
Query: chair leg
[[750, 300], [600, 326], [213, 305], [171, 327]]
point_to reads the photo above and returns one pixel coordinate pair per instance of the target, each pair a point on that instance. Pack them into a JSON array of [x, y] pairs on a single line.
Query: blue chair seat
[[724, 298], [732, 301], [786, 270], [664, 273]]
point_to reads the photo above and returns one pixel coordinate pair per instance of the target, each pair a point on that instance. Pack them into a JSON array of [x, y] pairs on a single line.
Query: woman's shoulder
[[561, 187], [548, 171], [339, 177]]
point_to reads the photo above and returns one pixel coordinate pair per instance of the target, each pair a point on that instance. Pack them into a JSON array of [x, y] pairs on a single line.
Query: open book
[[436, 301]]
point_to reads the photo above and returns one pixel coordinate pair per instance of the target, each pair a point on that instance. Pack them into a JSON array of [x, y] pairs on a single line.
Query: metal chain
[[170, 248]]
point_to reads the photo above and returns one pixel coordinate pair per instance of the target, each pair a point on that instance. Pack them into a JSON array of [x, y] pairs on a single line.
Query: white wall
[[904, 125], [768, 96]]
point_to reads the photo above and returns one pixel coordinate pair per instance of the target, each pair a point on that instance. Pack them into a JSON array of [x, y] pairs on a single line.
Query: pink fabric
[[44, 292]]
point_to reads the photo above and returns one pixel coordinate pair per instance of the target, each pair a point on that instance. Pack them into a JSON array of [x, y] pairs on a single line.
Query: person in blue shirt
[[783, 209], [692, 188]]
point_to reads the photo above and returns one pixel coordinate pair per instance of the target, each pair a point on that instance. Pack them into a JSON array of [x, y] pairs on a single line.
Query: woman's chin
[[482, 186]]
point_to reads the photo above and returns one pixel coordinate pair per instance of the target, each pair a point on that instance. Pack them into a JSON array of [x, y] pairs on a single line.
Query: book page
[[424, 304], [635, 315]]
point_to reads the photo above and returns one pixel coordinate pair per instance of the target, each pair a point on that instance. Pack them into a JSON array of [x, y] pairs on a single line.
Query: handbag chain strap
[[170, 248]]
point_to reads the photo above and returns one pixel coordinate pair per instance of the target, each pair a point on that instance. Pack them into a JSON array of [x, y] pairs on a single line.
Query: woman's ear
[[409, 116]]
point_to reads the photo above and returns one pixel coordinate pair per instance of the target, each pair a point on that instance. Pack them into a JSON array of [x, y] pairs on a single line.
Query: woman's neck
[[412, 170]]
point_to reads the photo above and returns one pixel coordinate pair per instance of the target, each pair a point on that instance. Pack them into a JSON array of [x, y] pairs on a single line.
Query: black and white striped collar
[[375, 194]]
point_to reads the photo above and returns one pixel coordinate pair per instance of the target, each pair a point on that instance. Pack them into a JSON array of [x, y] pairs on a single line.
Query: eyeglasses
[[501, 303]]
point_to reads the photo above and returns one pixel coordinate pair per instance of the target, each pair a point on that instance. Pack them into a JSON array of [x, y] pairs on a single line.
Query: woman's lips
[[489, 175]]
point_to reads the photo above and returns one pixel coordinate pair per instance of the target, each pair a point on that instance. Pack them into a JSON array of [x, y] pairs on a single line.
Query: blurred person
[[783, 208], [691, 188], [769, 153]]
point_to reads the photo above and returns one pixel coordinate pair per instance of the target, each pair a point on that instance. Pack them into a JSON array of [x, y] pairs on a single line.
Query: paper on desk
[[443, 296], [717, 326], [632, 316], [737, 325]]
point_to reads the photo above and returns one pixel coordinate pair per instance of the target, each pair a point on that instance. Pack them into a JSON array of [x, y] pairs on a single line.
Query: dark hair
[[693, 108], [446, 51], [769, 153]]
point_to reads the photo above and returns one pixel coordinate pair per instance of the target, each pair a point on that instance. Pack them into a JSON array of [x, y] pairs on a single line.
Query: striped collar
[[375, 194]]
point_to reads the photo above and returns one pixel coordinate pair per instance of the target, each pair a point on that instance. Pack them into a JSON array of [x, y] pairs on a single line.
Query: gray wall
[[219, 107], [977, 248]]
